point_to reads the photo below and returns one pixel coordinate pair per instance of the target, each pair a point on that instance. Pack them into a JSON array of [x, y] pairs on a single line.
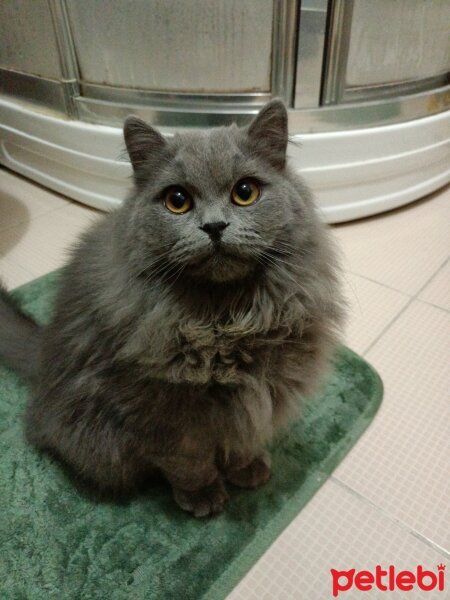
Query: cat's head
[[214, 204]]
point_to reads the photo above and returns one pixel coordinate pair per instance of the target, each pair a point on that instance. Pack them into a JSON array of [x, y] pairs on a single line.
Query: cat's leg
[[103, 460], [196, 483], [248, 470], [205, 501]]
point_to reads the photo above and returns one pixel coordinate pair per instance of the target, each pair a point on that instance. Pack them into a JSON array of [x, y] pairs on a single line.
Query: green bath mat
[[56, 544]]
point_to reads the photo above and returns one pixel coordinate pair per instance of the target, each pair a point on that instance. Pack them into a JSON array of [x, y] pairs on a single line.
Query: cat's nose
[[214, 229]]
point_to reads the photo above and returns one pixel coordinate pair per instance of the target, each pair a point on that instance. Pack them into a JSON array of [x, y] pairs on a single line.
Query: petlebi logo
[[388, 580]]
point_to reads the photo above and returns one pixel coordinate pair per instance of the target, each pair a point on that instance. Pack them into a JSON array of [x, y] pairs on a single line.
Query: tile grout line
[[401, 524], [350, 489], [402, 310], [389, 287], [394, 289], [440, 268], [387, 327], [433, 305]]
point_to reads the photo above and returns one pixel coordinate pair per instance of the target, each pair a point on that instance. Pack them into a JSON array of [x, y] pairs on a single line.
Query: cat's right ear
[[142, 141], [268, 133]]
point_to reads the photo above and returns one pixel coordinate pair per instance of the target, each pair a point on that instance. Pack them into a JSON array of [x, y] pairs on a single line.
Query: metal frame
[[310, 53], [111, 106], [321, 119], [389, 90], [48, 93], [284, 46], [374, 113], [172, 101], [67, 56], [336, 54], [51, 94]]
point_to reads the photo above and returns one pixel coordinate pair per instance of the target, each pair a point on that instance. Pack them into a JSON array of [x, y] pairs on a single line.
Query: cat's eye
[[177, 200], [245, 192]]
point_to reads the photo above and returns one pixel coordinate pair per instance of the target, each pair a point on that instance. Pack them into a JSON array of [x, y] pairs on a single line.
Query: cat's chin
[[221, 267]]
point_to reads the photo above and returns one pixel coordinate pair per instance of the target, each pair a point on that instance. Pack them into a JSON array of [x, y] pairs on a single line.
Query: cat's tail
[[20, 337]]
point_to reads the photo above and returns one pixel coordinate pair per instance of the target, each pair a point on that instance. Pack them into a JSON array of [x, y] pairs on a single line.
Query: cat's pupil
[[178, 199], [244, 190]]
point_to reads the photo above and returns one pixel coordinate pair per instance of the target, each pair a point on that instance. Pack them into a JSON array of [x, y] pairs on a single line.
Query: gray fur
[[19, 337], [166, 353]]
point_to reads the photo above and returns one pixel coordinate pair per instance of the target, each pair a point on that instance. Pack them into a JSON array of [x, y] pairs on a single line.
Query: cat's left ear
[[142, 141], [268, 134]]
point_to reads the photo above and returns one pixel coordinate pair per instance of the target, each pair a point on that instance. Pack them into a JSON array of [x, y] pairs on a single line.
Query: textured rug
[[56, 543]]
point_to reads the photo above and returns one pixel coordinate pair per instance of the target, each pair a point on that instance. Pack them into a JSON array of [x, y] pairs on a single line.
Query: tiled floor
[[389, 500]]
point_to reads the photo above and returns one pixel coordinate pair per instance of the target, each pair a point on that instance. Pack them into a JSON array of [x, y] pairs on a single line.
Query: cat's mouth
[[215, 251], [221, 263]]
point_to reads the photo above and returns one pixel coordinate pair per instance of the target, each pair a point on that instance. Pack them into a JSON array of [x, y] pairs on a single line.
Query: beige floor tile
[[22, 201], [13, 275], [371, 307], [402, 248], [438, 290], [43, 246], [402, 463], [336, 530]]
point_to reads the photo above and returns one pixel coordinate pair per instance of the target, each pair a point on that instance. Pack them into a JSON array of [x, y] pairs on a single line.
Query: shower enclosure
[[366, 84]]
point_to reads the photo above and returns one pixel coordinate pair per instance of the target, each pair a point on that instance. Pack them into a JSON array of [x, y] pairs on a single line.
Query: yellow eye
[[245, 192], [177, 200]]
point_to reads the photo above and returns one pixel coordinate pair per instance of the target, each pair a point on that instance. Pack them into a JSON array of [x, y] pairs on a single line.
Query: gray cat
[[188, 322]]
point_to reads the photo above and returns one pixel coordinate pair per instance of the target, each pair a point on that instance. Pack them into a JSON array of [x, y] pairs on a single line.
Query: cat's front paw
[[204, 502], [256, 473]]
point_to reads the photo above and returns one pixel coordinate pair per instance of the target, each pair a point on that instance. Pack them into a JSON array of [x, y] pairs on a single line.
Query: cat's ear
[[268, 134], [142, 141]]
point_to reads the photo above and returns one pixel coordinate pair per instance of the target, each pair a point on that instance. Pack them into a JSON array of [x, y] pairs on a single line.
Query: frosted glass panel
[[173, 45], [398, 40], [27, 39]]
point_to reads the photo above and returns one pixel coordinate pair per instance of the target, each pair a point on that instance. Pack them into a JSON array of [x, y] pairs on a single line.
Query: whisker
[[274, 262]]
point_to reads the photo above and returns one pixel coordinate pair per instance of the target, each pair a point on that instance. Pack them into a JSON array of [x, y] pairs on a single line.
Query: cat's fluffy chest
[[218, 353], [197, 351]]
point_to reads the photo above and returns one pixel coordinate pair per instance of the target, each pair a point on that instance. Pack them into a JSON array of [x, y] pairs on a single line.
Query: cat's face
[[212, 204]]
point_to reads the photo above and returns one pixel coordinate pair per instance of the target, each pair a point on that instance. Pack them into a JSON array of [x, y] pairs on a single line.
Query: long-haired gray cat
[[188, 322]]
